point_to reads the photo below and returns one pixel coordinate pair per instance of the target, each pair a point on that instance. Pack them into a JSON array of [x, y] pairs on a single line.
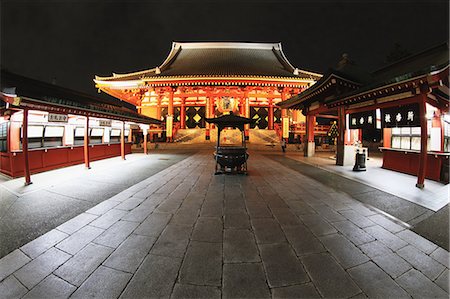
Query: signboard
[[105, 122], [363, 120], [227, 104], [169, 124], [285, 127], [62, 118], [403, 116]]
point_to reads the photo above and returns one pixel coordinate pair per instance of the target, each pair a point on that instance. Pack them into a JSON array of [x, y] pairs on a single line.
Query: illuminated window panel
[[97, 132], [35, 131], [415, 131], [395, 142], [51, 131], [115, 132], [405, 142], [79, 132], [405, 131], [415, 143]]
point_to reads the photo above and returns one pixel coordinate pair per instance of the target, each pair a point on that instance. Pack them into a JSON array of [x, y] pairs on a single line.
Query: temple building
[[207, 79], [406, 103], [44, 126]]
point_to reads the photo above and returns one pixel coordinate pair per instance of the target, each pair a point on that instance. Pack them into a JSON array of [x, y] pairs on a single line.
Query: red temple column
[[340, 146], [284, 113], [26, 162], [86, 144], [212, 110], [122, 141], [270, 115], [170, 113], [207, 125], [183, 114], [247, 114], [310, 145], [241, 107], [423, 141], [158, 108]]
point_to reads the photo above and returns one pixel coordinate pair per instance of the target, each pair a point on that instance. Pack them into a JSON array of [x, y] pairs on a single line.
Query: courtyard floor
[[180, 231]]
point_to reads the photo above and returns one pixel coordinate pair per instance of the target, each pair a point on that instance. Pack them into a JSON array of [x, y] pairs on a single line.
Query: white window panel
[[415, 143], [405, 143], [51, 131], [79, 132], [395, 131], [97, 132], [395, 142], [405, 131], [115, 132], [35, 131], [415, 131]]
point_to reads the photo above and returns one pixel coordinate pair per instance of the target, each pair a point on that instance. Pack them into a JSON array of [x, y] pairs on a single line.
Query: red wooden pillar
[[340, 146], [158, 108], [145, 141], [207, 125], [170, 113], [284, 113], [270, 115], [310, 145], [86, 144], [247, 114], [242, 107], [122, 141], [423, 141], [183, 114], [26, 161]]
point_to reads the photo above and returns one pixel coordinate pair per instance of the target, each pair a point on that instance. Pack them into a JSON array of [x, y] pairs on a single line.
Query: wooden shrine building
[[44, 126], [203, 80], [408, 101]]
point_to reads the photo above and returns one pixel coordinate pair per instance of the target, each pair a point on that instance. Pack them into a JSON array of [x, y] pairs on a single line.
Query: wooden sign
[[105, 122], [363, 120], [402, 116], [61, 118]]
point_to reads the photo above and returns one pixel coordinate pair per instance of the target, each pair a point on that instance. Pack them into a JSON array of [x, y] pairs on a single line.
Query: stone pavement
[[184, 232], [59, 195]]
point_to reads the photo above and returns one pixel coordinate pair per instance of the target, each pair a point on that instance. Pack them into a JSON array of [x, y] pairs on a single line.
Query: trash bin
[[360, 161]]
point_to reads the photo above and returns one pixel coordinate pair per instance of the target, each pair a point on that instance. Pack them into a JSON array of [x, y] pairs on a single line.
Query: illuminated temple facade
[[203, 80]]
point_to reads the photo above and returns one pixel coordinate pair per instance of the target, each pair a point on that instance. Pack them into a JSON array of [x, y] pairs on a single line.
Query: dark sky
[[75, 40]]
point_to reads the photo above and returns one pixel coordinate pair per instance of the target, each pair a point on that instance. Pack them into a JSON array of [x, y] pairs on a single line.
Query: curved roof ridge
[[116, 76], [225, 45]]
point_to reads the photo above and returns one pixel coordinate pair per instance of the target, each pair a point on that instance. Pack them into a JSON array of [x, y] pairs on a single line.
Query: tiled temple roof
[[222, 59], [53, 95]]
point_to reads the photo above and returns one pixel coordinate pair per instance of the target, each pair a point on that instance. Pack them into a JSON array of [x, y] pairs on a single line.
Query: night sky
[[73, 41]]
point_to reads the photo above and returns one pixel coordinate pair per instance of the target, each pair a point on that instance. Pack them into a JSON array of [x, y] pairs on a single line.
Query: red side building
[[44, 126], [407, 100]]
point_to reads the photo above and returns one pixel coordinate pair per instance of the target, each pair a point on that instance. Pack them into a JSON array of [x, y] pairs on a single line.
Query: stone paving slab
[[187, 233], [244, 281], [51, 287]]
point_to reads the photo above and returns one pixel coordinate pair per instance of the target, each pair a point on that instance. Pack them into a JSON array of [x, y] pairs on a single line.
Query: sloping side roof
[[221, 59], [59, 96], [417, 65]]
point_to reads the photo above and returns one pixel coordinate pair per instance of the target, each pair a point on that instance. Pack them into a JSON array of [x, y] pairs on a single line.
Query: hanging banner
[[363, 120], [169, 124], [403, 116], [285, 127]]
